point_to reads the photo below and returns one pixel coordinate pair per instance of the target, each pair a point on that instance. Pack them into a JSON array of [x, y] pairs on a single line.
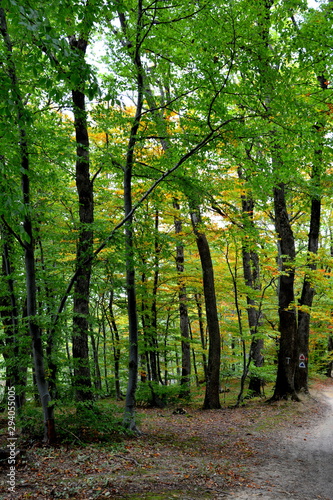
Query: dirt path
[[300, 466], [280, 451]]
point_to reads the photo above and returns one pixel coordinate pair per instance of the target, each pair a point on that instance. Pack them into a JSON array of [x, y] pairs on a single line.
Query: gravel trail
[[299, 466]]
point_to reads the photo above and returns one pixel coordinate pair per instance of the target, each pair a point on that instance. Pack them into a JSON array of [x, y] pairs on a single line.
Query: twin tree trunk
[[294, 329], [305, 302], [292, 374], [284, 386]]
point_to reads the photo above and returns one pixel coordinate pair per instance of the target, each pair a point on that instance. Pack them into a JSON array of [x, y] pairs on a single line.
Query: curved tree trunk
[[212, 395]]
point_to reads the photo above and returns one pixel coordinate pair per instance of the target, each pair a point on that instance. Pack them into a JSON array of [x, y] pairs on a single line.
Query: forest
[[165, 213]]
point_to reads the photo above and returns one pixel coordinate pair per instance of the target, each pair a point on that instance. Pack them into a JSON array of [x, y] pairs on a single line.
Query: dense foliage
[[165, 214]]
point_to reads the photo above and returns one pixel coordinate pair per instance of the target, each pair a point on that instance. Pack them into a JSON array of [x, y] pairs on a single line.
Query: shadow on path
[[300, 466]]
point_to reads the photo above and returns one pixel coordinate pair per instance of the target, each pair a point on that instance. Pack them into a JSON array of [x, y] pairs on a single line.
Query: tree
[[284, 385], [206, 110], [84, 184], [13, 348], [308, 290], [28, 242], [183, 310], [212, 397]]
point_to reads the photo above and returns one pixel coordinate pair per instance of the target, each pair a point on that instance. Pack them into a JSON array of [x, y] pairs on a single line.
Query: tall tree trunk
[[252, 280], [105, 363], [154, 330], [149, 332], [96, 368], [203, 339], [116, 347], [329, 371], [305, 303], [183, 313], [16, 370], [195, 368], [161, 125], [51, 364], [82, 377], [284, 386], [165, 349], [212, 396], [129, 414], [29, 250]]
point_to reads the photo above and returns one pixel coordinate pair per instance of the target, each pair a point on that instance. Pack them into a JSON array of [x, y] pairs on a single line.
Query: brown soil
[[279, 451]]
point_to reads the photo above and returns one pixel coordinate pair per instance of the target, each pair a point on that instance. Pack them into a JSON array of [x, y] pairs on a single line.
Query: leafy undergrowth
[[192, 455]]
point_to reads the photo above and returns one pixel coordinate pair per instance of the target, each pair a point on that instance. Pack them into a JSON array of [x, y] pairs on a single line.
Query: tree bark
[[149, 333], [50, 357], [82, 376], [251, 277], [96, 368], [203, 339], [329, 371], [284, 386], [116, 347], [305, 302], [212, 395], [129, 413], [105, 363], [183, 312], [16, 370]]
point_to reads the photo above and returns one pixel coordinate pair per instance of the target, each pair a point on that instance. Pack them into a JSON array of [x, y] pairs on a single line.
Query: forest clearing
[[269, 451]]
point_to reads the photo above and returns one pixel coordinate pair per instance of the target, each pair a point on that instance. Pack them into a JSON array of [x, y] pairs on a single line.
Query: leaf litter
[[255, 451]]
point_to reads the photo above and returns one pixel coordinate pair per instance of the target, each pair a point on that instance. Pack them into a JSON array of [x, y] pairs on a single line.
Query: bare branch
[[12, 232]]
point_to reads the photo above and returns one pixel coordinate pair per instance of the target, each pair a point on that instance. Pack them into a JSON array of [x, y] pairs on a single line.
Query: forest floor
[[274, 451]]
